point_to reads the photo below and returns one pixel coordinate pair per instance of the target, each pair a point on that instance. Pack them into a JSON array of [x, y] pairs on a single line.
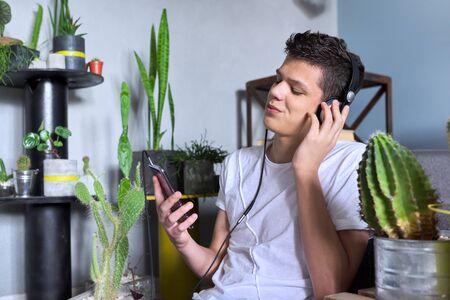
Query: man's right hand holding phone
[[177, 232]]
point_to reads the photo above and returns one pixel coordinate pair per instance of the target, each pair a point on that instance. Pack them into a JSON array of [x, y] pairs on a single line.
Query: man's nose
[[279, 90]]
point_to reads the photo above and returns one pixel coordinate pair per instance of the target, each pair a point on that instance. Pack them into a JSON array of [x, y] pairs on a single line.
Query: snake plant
[[37, 27], [158, 67], [4, 177], [395, 192]]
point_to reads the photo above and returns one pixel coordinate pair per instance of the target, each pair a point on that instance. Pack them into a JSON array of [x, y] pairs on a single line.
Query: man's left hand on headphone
[[320, 139]]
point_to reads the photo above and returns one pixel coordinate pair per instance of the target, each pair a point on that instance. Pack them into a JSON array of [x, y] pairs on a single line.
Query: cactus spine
[[395, 192], [130, 201]]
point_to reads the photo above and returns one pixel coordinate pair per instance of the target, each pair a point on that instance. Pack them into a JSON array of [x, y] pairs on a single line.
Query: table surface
[[75, 79]]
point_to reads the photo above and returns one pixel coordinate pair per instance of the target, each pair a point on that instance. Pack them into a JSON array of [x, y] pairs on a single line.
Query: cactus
[[130, 201], [23, 163], [395, 192]]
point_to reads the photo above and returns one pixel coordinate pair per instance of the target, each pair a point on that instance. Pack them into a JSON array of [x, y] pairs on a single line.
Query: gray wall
[[409, 41], [216, 46]]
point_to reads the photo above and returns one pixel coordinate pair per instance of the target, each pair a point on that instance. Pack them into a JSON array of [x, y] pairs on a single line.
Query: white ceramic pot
[[60, 177], [56, 61]]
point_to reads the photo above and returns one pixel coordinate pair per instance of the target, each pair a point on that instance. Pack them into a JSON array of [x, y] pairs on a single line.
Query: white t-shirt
[[265, 258]]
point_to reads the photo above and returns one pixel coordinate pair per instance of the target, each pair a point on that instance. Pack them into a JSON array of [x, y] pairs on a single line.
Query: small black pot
[[21, 57], [73, 48], [199, 177]]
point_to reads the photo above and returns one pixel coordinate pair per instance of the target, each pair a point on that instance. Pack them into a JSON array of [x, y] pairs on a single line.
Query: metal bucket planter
[[199, 177], [6, 189], [60, 177], [24, 182], [73, 48], [410, 269]]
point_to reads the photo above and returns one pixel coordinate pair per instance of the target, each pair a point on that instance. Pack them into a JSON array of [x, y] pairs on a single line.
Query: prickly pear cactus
[[131, 199], [395, 192], [5, 15]]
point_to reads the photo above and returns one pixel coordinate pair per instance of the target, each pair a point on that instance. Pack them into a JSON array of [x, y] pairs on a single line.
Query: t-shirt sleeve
[[220, 202], [343, 204]]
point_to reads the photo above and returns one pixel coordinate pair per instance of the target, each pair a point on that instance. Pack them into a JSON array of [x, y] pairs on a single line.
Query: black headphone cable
[[244, 214]]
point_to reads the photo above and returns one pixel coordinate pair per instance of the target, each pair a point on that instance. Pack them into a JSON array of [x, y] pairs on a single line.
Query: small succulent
[[23, 163], [395, 192], [3, 174], [43, 140]]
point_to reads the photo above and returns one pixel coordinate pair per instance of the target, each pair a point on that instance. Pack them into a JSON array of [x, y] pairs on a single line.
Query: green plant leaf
[[124, 188], [30, 140], [124, 104], [82, 193], [149, 89], [172, 117], [63, 132], [124, 154], [137, 179], [44, 135], [5, 15], [58, 143], [100, 226], [163, 68], [3, 174], [37, 27], [42, 147], [131, 208], [94, 269], [120, 259]]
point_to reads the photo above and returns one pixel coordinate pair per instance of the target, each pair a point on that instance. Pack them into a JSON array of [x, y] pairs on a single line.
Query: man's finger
[[314, 129], [337, 118], [176, 215], [187, 223], [166, 205], [327, 117]]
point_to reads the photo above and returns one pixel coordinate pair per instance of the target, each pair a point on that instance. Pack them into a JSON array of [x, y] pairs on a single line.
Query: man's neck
[[283, 148]]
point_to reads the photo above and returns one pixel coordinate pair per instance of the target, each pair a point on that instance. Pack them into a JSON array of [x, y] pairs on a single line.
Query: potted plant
[[24, 178], [395, 195], [107, 273], [14, 56], [66, 41], [96, 66], [6, 185], [197, 160], [158, 68], [60, 175]]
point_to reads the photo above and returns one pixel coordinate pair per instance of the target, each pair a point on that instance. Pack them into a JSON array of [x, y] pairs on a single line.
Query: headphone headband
[[353, 86]]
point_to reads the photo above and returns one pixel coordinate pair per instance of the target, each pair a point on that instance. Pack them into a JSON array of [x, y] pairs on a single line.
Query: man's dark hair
[[330, 55]]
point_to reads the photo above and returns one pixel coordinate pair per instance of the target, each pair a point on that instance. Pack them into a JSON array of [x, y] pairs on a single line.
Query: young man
[[303, 238]]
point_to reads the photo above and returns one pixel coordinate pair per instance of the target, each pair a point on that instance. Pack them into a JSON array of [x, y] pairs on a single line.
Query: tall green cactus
[[395, 192], [130, 201]]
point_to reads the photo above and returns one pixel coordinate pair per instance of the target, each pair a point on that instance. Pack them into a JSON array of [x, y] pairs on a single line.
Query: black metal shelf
[[74, 79], [36, 200]]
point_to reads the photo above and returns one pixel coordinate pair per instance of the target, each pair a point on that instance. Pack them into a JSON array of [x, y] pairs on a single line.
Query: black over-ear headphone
[[350, 92]]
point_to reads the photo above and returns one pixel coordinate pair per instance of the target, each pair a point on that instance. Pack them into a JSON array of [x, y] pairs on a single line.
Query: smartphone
[[167, 188], [328, 102]]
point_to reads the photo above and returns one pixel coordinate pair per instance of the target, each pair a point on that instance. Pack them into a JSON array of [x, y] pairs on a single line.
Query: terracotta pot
[[96, 67]]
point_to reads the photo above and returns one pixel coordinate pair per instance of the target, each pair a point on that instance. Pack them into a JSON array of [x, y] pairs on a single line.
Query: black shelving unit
[[48, 257]]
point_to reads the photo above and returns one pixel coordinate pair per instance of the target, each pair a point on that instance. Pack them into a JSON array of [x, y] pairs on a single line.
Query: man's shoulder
[[244, 155], [346, 154]]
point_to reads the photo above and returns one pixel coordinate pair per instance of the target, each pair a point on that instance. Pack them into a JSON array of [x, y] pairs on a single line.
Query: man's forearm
[[326, 257], [199, 258]]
